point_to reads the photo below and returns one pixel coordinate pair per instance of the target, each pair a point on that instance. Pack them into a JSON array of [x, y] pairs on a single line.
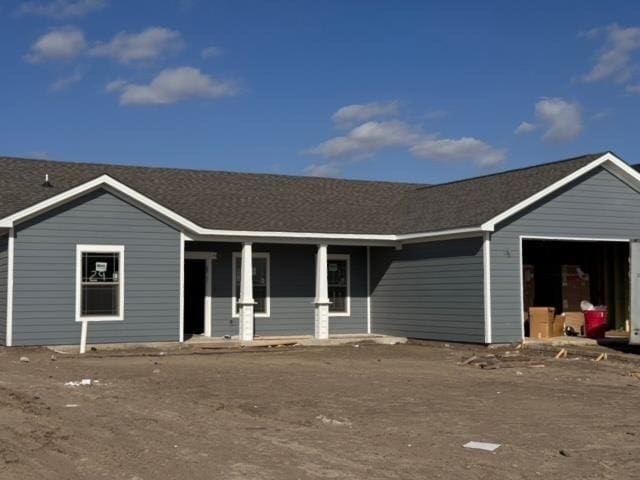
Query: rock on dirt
[[342, 422], [24, 359]]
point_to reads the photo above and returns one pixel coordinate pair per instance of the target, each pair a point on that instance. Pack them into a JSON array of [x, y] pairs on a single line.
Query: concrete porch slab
[[201, 341]]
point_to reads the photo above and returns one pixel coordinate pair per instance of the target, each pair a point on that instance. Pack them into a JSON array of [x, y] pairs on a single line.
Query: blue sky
[[408, 91]]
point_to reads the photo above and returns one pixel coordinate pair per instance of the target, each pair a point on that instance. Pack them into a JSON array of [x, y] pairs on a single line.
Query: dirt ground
[[366, 412]]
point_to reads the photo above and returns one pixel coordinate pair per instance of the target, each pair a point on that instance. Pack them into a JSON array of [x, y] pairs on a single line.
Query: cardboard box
[[575, 320], [541, 321], [558, 326]]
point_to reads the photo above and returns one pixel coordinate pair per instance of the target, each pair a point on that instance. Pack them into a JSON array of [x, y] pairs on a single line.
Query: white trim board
[[608, 158], [613, 163], [369, 290], [84, 248], [486, 266], [104, 181], [181, 288], [208, 258], [573, 239], [238, 256], [10, 269], [201, 233]]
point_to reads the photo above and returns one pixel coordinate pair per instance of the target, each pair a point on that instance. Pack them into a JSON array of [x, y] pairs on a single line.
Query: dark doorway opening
[[560, 274], [195, 279]]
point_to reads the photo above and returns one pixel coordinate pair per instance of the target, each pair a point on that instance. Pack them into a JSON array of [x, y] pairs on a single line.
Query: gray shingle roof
[[471, 202], [261, 202]]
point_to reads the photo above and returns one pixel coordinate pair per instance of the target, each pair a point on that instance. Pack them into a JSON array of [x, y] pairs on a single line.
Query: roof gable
[[207, 202]]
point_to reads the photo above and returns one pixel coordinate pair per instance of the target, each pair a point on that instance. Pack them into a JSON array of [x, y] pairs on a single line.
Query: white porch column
[[322, 294], [246, 302]]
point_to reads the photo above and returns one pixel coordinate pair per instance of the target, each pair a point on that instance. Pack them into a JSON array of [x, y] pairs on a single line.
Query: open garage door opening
[[559, 275]]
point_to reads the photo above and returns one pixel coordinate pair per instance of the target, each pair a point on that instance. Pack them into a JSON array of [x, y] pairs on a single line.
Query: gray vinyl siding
[[598, 205], [45, 263], [4, 244], [292, 290], [430, 291]]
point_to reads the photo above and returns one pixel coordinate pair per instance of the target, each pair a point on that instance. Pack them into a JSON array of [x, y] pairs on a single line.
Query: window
[[100, 282], [260, 263], [338, 283]]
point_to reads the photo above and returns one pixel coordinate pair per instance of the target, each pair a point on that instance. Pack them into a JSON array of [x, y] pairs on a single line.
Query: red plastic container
[[595, 323]]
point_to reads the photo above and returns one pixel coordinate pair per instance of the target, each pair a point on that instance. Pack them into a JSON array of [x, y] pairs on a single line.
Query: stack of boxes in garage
[[576, 287], [543, 321]]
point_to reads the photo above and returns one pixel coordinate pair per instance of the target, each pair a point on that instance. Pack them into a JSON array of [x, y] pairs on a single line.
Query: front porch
[[257, 292]]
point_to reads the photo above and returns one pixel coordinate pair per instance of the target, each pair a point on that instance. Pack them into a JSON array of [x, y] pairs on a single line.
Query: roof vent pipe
[[46, 182]]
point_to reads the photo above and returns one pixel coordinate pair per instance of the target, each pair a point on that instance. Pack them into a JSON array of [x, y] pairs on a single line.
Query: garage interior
[[560, 274]]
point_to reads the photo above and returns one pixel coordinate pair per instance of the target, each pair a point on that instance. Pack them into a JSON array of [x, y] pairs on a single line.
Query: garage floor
[[365, 412]]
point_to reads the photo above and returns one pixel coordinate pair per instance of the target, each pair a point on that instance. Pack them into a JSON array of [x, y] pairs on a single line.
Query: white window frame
[[347, 257], [80, 249], [236, 256]]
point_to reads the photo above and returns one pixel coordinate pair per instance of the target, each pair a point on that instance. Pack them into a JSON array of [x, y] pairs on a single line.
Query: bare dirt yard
[[366, 412]]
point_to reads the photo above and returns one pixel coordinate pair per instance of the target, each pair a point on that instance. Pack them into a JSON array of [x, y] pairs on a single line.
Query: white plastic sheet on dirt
[[489, 447], [85, 382]]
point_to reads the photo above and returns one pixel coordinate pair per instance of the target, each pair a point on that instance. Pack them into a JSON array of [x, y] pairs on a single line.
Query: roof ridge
[[504, 172], [203, 170]]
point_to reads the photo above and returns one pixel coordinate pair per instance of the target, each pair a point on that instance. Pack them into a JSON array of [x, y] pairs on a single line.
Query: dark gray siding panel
[[4, 241], [432, 290], [598, 205], [44, 273], [292, 275]]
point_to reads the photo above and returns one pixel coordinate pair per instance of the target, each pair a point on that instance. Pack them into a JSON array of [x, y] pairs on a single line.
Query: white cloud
[[115, 85], [366, 139], [562, 119], [633, 88], [61, 9], [65, 82], [458, 149], [211, 52], [330, 169], [145, 46], [60, 44], [372, 136], [172, 85], [524, 127], [615, 60], [356, 113]]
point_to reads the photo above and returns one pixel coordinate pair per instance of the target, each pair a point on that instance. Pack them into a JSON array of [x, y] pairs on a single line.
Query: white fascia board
[[440, 235], [608, 157], [107, 181], [193, 230], [99, 182], [198, 232]]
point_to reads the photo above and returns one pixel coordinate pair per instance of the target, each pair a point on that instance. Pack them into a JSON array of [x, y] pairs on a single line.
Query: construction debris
[[489, 447], [343, 422], [24, 359], [602, 356], [561, 354], [85, 382], [492, 362]]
